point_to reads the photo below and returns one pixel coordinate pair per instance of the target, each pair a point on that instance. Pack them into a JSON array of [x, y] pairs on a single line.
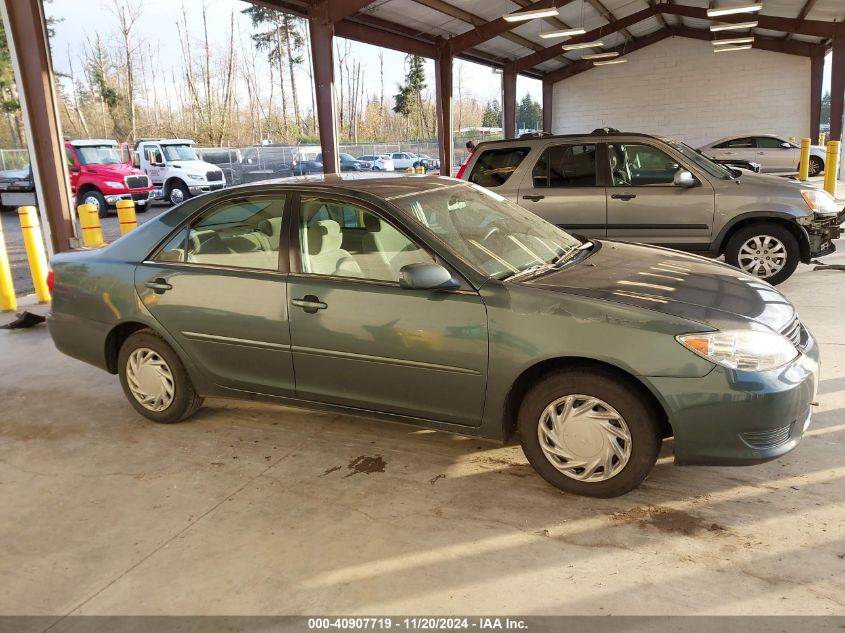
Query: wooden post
[[445, 137], [509, 100], [548, 104], [321, 28]]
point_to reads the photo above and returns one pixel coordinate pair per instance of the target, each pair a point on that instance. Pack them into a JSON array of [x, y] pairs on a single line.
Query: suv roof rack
[[535, 134]]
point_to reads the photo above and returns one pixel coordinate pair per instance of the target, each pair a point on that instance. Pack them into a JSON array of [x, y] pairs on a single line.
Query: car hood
[[117, 170], [194, 166], [672, 283]]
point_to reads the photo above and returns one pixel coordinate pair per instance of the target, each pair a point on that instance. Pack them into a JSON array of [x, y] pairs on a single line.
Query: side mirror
[[786, 145], [683, 178], [423, 276]]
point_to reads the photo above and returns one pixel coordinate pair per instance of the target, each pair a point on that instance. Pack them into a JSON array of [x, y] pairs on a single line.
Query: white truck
[[174, 168]]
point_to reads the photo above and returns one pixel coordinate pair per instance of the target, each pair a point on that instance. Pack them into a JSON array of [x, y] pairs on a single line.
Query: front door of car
[[774, 156], [360, 340], [563, 188], [644, 204], [218, 290], [155, 163], [741, 148], [73, 168]]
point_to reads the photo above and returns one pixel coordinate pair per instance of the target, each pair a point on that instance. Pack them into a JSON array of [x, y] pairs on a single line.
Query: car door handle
[[159, 284], [533, 198], [309, 303], [623, 196]]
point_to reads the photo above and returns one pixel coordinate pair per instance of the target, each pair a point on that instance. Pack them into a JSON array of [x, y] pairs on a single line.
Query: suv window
[[736, 143], [566, 166], [241, 234], [638, 165], [767, 142], [495, 166]]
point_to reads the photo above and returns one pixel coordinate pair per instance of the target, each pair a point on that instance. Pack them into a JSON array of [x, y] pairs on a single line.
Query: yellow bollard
[[804, 161], [831, 167], [89, 219], [420, 170], [410, 170], [822, 137], [126, 216], [8, 302], [34, 243]]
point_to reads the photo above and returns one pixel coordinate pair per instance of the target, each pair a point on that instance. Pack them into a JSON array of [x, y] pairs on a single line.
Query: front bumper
[[739, 418], [822, 232], [139, 197], [198, 189]]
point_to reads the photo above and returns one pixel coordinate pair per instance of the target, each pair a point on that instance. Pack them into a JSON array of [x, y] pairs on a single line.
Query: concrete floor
[[250, 509]]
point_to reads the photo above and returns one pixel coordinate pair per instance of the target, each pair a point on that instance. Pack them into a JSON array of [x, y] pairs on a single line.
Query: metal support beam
[[548, 104], [322, 36], [816, 74], [509, 99], [491, 29], [27, 36], [341, 9], [443, 79], [837, 85]]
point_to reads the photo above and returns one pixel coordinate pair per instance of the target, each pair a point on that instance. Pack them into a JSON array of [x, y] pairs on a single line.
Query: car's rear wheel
[[765, 250], [154, 380], [589, 432], [816, 165]]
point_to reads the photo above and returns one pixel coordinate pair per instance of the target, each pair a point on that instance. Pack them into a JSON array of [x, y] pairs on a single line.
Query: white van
[[174, 168]]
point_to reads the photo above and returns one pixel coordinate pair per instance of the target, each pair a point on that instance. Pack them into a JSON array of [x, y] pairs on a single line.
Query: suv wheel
[[765, 250], [589, 433], [154, 380], [816, 165]]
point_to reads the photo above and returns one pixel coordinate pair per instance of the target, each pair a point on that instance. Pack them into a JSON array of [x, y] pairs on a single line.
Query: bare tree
[[127, 14]]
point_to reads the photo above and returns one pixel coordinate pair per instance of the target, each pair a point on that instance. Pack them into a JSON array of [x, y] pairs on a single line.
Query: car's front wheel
[[178, 193], [94, 197], [764, 249], [154, 380], [816, 165], [589, 432]]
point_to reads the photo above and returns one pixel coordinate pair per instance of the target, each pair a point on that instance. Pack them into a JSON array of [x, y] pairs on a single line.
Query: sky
[[157, 25]]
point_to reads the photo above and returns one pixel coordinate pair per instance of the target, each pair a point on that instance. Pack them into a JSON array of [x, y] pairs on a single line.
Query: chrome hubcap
[[176, 196], [91, 200], [150, 379], [584, 438], [762, 256]]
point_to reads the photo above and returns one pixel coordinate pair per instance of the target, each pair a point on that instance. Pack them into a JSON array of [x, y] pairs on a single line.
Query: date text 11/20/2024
[[418, 623]]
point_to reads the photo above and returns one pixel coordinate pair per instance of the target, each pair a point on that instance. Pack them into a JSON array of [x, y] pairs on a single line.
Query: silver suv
[[641, 188]]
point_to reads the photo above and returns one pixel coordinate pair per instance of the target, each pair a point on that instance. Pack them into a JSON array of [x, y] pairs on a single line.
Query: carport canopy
[[442, 31]]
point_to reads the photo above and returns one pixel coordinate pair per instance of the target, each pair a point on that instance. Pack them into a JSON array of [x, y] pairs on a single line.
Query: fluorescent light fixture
[[498, 71], [566, 33], [531, 15], [732, 27], [724, 49], [610, 62], [600, 56], [733, 40], [750, 8], [575, 47]]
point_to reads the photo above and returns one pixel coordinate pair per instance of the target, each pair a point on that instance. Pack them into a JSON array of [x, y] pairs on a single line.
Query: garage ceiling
[[801, 27]]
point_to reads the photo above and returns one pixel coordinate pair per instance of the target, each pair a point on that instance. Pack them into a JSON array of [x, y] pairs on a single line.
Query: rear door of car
[[564, 187], [740, 148], [772, 154], [644, 204], [219, 288], [499, 167]]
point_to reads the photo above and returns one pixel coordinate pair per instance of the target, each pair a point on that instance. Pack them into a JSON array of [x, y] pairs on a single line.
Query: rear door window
[[566, 166], [495, 166], [767, 142], [736, 143]]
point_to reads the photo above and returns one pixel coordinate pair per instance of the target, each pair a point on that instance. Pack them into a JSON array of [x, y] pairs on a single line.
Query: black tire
[[640, 416], [95, 197], [816, 165], [185, 401], [180, 187], [761, 229]]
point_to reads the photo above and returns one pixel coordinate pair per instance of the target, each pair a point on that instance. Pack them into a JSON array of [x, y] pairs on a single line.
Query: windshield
[[496, 236], [179, 152], [714, 169], [98, 155]]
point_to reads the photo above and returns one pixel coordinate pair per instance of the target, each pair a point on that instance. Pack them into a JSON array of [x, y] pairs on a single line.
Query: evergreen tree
[[492, 115], [408, 101], [529, 114]]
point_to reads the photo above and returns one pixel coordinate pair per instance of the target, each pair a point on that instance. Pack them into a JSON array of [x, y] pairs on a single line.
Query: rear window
[[495, 166]]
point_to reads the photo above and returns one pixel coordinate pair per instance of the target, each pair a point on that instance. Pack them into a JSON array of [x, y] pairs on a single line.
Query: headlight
[[195, 176], [745, 350], [115, 185], [819, 201]]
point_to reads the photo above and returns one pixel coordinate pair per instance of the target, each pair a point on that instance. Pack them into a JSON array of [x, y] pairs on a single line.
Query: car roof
[[92, 141], [750, 135], [387, 187], [595, 134]]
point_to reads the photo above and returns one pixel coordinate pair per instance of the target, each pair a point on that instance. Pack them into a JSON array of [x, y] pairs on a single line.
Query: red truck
[[99, 176]]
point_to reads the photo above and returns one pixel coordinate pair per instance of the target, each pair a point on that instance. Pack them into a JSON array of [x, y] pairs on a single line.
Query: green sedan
[[435, 302]]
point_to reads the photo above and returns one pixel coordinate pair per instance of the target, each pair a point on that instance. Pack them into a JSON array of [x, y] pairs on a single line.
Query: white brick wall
[[678, 87]]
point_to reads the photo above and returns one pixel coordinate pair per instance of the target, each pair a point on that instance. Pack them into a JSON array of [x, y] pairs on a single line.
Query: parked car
[[176, 170], [772, 152], [429, 163], [228, 159], [403, 160], [439, 303], [347, 163], [98, 176], [381, 162], [642, 188], [17, 188], [261, 162]]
